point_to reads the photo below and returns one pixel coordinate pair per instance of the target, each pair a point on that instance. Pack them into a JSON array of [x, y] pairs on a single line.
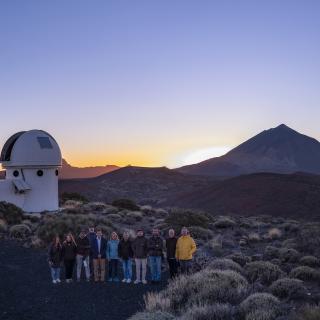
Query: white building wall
[[7, 194]]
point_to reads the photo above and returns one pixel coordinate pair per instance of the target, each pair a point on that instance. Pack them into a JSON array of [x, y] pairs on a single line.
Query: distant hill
[[144, 185], [278, 150], [69, 172], [288, 195]]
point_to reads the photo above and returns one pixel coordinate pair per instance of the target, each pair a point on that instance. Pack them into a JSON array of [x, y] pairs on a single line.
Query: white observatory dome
[[34, 148]]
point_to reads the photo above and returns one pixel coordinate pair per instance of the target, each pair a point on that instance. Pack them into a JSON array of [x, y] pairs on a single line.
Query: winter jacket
[[83, 246], [92, 238], [55, 256], [125, 249], [140, 247], [185, 248], [112, 249], [95, 249], [171, 244], [69, 250], [155, 246]]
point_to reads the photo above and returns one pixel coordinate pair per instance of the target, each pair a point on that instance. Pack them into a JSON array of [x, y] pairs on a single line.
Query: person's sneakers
[[110, 280], [58, 280], [144, 281], [54, 281], [137, 282], [124, 280], [88, 280], [128, 280]]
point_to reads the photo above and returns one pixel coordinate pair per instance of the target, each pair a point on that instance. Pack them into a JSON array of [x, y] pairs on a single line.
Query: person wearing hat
[[140, 252], [83, 252]]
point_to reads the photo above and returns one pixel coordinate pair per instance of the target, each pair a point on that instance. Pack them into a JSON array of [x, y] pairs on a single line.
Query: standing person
[[99, 247], [92, 239], [112, 256], [185, 249], [69, 252], [126, 254], [171, 243], [83, 251], [140, 251], [155, 248], [55, 259]]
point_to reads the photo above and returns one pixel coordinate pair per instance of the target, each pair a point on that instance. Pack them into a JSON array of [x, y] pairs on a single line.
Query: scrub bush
[[310, 261], [307, 313], [216, 311], [289, 255], [305, 273], [126, 204], [10, 213], [263, 271], [158, 315], [226, 264], [20, 231], [287, 288], [224, 222]]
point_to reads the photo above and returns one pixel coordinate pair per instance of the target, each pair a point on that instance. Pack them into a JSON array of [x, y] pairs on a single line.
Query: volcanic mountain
[[277, 150]]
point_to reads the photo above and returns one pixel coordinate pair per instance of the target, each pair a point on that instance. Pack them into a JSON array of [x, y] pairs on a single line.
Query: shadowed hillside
[[143, 185], [280, 150], [294, 195]]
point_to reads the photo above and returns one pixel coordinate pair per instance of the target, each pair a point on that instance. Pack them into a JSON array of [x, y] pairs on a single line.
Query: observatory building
[[31, 160]]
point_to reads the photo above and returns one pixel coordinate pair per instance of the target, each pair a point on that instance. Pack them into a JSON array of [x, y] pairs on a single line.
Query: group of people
[[91, 251]]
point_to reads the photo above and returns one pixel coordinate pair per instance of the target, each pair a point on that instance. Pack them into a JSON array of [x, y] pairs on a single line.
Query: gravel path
[[26, 292]]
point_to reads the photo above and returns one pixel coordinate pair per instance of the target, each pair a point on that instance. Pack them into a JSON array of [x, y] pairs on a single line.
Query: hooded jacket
[[185, 248]]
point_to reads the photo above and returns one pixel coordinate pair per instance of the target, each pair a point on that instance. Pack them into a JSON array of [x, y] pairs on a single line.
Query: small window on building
[[40, 173], [16, 173], [57, 172], [44, 142]]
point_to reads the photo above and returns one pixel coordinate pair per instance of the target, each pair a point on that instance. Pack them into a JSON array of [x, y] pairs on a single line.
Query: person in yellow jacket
[[185, 249]]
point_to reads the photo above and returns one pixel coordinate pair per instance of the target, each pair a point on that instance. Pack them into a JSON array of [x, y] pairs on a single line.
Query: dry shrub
[[136, 215], [310, 261], [260, 306], [254, 237], [10, 213], [263, 271], [158, 315], [224, 222], [225, 264], [20, 231], [274, 233], [309, 238], [289, 255], [200, 233], [290, 243], [216, 311], [239, 258], [305, 273], [204, 287], [271, 252], [287, 288], [155, 301], [307, 313]]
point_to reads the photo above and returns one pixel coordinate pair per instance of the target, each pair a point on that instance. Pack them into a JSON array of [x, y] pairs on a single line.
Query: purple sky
[[157, 82]]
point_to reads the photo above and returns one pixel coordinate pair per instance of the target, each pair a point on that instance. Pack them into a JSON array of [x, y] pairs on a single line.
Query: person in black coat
[[125, 252], [140, 253], [83, 252], [55, 259], [69, 252], [99, 248], [171, 243], [155, 248]]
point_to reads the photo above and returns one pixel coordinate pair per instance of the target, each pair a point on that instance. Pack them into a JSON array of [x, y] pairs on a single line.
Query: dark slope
[[287, 195], [144, 185]]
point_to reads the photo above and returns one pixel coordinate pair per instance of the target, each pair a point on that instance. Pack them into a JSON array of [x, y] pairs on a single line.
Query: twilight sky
[[157, 82]]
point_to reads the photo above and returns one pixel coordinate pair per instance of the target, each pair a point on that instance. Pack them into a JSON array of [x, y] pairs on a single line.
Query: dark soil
[[26, 291]]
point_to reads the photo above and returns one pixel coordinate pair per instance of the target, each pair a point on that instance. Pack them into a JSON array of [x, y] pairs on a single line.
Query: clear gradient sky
[[157, 82]]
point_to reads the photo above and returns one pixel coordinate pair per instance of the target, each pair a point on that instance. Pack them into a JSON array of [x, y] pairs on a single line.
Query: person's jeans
[[155, 268], [81, 260], [113, 269], [185, 266], [55, 273], [173, 267], [69, 265], [99, 267], [127, 269], [141, 264]]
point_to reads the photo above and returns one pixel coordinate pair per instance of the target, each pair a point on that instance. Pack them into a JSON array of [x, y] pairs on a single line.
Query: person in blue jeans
[[126, 254], [155, 252], [113, 257], [55, 259]]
